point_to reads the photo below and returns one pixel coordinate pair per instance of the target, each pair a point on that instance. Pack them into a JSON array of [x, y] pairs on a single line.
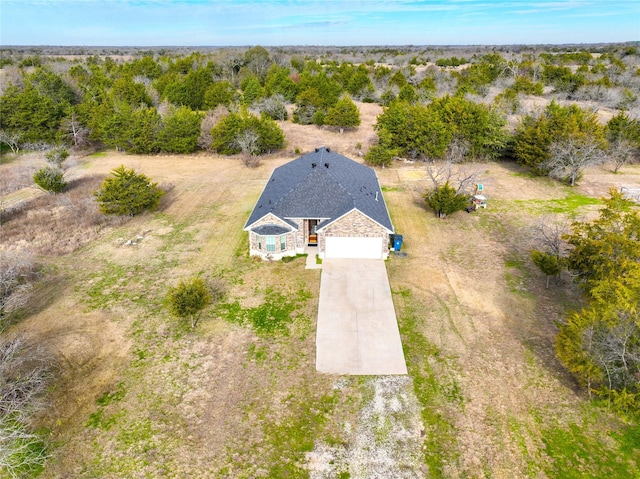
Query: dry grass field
[[140, 395]]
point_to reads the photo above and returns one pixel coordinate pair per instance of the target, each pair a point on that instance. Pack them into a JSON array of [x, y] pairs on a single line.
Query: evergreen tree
[[344, 114], [127, 193], [445, 201]]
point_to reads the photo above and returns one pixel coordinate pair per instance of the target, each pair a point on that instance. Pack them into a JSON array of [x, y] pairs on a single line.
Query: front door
[[313, 236]]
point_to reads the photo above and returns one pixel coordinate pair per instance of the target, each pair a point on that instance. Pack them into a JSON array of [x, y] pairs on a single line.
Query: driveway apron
[[357, 329]]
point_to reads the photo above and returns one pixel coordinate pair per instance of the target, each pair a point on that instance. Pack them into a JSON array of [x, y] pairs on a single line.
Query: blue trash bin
[[397, 242]]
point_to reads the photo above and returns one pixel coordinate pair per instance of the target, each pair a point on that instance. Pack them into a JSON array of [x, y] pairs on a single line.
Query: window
[[271, 243], [283, 242]]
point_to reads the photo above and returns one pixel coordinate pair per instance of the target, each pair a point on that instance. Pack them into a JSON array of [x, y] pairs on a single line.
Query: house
[[323, 201]]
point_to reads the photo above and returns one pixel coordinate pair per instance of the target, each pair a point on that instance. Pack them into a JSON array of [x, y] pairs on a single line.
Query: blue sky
[[316, 22]]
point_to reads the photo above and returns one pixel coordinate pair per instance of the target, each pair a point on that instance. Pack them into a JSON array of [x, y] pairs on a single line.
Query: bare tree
[[548, 234], [210, 120], [569, 158], [621, 152], [247, 141], [462, 178], [25, 373], [12, 140], [75, 131], [15, 269]]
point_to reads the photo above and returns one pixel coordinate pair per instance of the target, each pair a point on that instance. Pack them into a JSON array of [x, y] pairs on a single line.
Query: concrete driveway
[[357, 329]]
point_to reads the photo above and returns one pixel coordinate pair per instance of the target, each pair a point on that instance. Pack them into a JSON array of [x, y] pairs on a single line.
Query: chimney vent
[[313, 165], [326, 165]]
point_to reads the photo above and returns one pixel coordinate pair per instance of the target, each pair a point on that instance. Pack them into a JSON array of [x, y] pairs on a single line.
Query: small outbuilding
[[321, 201]]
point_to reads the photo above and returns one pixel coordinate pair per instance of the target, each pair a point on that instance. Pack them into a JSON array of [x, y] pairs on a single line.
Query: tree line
[[230, 103]]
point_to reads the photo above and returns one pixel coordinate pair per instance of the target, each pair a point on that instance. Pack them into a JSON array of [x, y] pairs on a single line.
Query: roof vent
[[326, 165], [313, 165], [317, 150], [376, 196], [328, 150]]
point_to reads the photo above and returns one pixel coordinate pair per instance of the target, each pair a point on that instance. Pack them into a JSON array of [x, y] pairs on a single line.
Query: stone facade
[[354, 224], [254, 240]]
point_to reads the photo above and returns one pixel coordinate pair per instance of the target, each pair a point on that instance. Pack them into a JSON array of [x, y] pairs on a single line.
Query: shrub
[[188, 299], [445, 200], [127, 193], [50, 179]]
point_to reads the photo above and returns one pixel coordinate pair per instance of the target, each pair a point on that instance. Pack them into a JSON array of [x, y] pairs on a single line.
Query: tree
[[220, 93], [474, 123], [279, 81], [125, 89], [74, 129], [379, 155], [344, 114], [570, 157], [251, 90], [50, 179], [549, 264], [232, 127], [607, 247], [144, 131], [414, 131], [445, 200], [462, 178], [15, 269], [274, 107], [30, 114], [535, 135], [25, 373], [623, 135], [188, 299], [180, 131], [126, 192], [549, 233], [248, 142], [12, 140], [601, 343], [189, 90]]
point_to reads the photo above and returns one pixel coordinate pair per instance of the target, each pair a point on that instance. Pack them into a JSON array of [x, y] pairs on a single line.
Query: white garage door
[[370, 248]]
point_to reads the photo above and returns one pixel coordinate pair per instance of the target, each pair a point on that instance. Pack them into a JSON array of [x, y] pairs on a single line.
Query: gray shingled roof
[[324, 185]]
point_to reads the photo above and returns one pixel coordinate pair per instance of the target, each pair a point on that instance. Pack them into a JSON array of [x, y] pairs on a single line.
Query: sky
[[316, 22]]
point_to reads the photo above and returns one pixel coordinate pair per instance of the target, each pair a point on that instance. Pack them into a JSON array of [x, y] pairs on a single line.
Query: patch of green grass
[[98, 154], [105, 289], [108, 397], [287, 439], [100, 420], [435, 390], [567, 205], [273, 316], [577, 452], [257, 353], [289, 259]]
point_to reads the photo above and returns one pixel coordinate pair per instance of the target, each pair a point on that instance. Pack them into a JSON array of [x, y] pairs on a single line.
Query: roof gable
[[322, 184]]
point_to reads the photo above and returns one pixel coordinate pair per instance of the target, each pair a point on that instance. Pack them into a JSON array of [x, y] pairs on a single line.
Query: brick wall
[[354, 223]]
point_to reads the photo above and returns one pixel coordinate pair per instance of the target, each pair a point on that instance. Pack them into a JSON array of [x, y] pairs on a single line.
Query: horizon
[[328, 23]]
